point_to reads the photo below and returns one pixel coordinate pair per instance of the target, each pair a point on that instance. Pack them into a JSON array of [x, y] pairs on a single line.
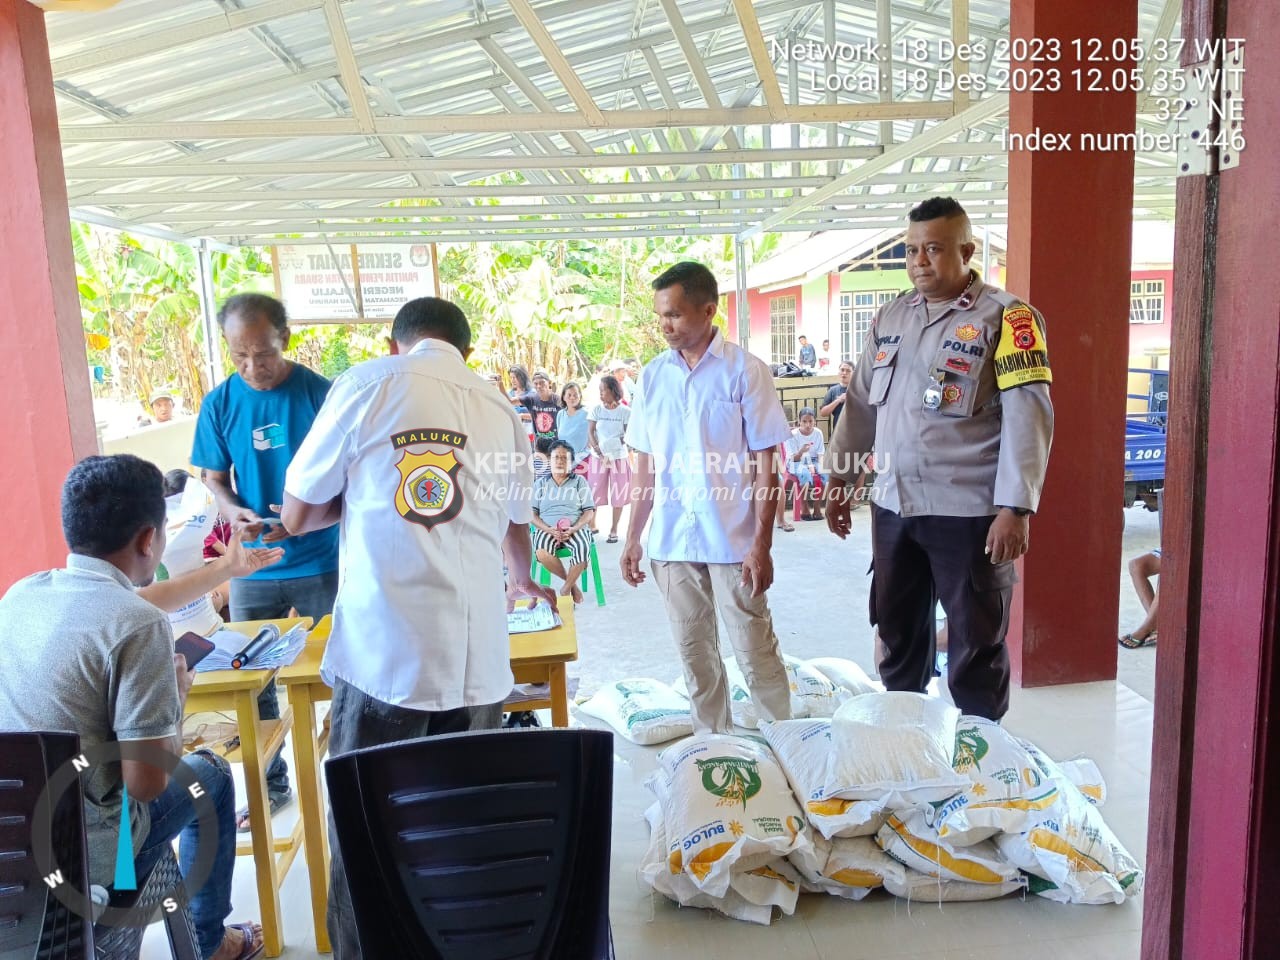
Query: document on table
[[228, 643], [540, 616]]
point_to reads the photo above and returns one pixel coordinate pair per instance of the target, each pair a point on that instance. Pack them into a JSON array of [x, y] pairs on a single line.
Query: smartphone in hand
[[194, 647]]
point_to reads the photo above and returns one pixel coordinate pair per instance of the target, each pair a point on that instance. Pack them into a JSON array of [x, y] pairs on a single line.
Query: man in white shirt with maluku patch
[[705, 425], [427, 469]]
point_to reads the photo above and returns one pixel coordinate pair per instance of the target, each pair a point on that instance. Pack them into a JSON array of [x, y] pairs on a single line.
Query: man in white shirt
[[705, 425], [427, 469]]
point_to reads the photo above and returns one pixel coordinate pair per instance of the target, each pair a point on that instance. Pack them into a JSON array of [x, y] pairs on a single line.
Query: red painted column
[[1069, 238], [46, 409]]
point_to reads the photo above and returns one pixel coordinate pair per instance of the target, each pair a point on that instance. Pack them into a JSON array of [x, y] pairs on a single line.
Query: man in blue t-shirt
[[250, 426]]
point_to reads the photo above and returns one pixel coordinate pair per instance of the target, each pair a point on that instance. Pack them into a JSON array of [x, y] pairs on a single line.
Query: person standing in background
[[572, 426], [543, 405], [711, 536], [610, 474], [249, 428]]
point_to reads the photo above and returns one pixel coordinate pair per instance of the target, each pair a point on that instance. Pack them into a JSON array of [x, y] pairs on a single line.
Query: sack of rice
[[856, 866], [846, 675], [894, 748], [919, 887], [644, 711], [1071, 853], [1084, 773], [728, 809], [804, 750], [1009, 785], [812, 693], [680, 888], [771, 885], [910, 840]]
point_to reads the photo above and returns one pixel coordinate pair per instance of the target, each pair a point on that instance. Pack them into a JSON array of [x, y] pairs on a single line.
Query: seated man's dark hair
[[698, 282], [432, 317], [250, 305], [562, 445], [175, 481], [107, 501], [934, 208]]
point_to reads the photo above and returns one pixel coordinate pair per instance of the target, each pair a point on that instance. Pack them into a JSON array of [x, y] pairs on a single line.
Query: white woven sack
[[846, 675], [728, 809], [642, 710], [894, 748], [907, 838], [804, 751]]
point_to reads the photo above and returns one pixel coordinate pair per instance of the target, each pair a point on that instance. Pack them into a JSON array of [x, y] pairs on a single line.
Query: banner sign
[[322, 283]]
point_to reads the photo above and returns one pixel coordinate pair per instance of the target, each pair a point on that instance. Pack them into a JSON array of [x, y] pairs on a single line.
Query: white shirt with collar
[[432, 464], [700, 425]]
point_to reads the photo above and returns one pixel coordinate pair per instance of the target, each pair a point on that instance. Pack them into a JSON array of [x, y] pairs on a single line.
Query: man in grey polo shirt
[[81, 652]]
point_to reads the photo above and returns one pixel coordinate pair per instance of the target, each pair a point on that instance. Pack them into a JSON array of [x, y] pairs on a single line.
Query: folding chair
[[480, 846]]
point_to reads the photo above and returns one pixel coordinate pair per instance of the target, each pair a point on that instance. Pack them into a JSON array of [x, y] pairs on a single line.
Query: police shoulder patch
[[1021, 355]]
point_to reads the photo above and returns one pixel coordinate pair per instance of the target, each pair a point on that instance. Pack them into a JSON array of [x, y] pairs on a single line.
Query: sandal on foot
[[277, 802], [252, 947], [1130, 642], [787, 527], [612, 538]]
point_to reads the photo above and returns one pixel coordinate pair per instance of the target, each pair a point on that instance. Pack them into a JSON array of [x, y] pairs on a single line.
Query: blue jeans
[[256, 599], [173, 815]]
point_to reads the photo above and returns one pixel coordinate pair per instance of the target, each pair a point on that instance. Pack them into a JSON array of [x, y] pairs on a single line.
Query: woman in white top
[[805, 450], [609, 474]]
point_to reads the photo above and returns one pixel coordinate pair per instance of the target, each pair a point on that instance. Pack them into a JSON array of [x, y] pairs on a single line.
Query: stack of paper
[[228, 643], [533, 619]]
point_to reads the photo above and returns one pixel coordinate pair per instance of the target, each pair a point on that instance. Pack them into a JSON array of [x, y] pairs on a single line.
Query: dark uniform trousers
[[917, 559]]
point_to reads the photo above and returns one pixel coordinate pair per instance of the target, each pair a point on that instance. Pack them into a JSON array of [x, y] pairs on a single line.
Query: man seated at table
[[80, 651]]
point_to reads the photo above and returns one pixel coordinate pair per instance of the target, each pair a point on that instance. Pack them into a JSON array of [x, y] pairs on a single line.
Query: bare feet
[[241, 942], [577, 593]]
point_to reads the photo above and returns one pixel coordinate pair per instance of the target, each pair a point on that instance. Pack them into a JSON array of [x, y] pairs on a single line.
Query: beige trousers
[[693, 592]]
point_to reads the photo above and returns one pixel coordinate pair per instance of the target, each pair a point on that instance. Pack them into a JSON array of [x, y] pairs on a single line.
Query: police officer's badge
[[428, 492]]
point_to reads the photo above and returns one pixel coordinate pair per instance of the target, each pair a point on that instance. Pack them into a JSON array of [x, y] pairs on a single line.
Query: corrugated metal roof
[[243, 120]]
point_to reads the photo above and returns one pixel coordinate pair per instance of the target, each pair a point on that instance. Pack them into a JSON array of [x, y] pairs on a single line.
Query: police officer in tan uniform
[[951, 393]]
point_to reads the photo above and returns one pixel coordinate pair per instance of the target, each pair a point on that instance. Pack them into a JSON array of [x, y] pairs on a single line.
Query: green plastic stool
[[540, 574]]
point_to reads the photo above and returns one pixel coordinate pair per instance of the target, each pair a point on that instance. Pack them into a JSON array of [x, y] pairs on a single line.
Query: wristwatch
[[1018, 511]]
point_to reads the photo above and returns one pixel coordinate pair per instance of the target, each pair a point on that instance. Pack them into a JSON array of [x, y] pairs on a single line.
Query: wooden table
[[236, 692], [535, 658]]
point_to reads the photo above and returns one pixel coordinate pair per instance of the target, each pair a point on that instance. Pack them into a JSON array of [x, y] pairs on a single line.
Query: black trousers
[[918, 559]]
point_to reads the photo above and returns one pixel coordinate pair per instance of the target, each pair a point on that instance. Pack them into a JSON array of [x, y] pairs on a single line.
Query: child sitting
[[562, 512], [804, 452]]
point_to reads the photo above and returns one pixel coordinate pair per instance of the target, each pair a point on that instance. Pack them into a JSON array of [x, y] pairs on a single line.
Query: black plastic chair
[[36, 925], [33, 922], [483, 846]]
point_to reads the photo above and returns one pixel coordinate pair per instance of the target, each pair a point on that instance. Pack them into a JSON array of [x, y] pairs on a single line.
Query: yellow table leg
[[315, 833], [559, 682], [255, 783]]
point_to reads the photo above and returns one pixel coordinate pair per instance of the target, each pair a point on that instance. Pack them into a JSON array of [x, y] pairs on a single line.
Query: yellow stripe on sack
[[1093, 791], [701, 864], [829, 808], [1048, 840], [770, 874], [967, 869], [674, 863], [1019, 803], [858, 878]]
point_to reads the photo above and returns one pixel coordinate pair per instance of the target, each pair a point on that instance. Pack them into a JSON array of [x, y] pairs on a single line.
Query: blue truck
[[1144, 440]]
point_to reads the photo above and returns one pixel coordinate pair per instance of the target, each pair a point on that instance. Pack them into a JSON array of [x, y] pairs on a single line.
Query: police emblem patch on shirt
[[1021, 355], [881, 355], [959, 364], [428, 492], [952, 394], [968, 333]]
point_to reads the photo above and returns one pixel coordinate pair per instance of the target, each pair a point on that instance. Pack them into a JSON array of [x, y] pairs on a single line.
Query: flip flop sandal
[[277, 802], [787, 527], [612, 538], [1130, 642], [248, 951]]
